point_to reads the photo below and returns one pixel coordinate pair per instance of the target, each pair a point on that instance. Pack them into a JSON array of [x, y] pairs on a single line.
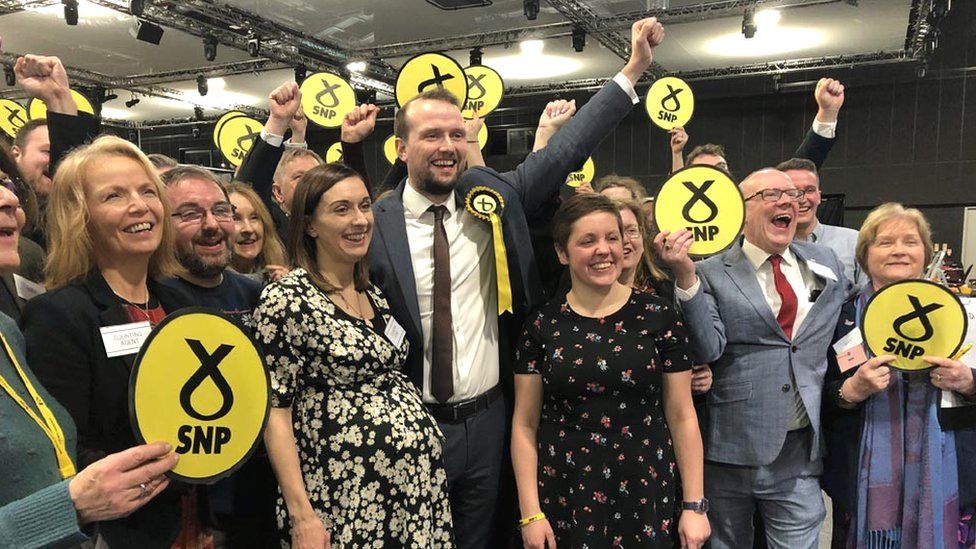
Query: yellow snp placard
[[911, 319], [37, 109], [429, 70], [334, 153], [326, 99], [483, 136], [389, 149], [670, 102], [485, 91], [705, 201], [200, 384], [13, 116], [220, 124], [237, 136], [582, 176]]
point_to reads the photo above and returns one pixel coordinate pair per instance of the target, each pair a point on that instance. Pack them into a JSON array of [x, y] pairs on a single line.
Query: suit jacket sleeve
[[538, 178], [61, 358], [67, 132], [258, 169], [814, 147], [353, 156], [705, 326]]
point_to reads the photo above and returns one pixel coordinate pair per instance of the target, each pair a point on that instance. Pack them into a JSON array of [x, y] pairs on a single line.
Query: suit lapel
[[111, 311], [8, 281], [744, 277], [389, 219], [830, 286]]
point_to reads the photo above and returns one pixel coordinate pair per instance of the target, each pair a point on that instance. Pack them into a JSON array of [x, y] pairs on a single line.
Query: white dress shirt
[[803, 282], [474, 293]]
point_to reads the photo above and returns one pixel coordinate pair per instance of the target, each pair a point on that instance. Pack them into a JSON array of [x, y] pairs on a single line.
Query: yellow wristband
[[529, 520]]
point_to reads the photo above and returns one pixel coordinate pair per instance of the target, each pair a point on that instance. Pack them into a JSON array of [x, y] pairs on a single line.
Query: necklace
[[357, 310], [142, 309]]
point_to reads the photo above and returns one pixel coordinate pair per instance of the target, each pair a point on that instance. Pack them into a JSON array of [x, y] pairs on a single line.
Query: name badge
[[850, 351], [125, 339], [394, 332], [27, 289], [821, 271]]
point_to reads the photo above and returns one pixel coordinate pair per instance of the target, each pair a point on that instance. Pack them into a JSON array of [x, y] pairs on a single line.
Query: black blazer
[[65, 350]]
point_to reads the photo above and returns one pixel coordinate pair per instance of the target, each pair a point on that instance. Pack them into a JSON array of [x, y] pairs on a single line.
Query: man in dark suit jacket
[[435, 261]]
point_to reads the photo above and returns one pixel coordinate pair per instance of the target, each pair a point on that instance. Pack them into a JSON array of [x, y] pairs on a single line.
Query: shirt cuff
[[625, 84], [825, 129], [272, 139], [686, 295], [290, 145]]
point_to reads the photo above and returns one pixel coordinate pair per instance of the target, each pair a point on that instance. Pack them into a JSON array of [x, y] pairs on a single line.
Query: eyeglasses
[[632, 233], [222, 211], [773, 195]]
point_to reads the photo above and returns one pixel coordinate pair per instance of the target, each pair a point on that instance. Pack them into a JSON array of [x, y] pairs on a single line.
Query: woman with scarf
[[894, 460]]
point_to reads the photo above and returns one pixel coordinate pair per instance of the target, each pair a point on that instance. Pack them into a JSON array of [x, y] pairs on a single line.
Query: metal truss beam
[[463, 42], [756, 69]]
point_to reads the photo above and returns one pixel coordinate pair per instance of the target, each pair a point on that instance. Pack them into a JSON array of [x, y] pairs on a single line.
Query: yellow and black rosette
[[487, 204]]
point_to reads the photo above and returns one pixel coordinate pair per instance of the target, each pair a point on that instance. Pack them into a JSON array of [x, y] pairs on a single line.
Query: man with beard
[[243, 504], [435, 261]]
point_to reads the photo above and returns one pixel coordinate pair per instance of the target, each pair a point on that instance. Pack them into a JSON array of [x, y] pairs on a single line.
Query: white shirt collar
[[417, 204], [757, 256]]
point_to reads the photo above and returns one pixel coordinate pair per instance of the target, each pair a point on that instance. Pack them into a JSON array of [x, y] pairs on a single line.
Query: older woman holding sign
[[110, 237], [892, 468], [42, 501], [356, 453], [603, 387]]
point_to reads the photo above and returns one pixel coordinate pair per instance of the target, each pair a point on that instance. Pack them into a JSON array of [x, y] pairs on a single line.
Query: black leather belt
[[456, 412]]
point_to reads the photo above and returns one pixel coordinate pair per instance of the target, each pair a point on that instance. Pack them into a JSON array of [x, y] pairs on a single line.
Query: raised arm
[[816, 145], [357, 125], [553, 117], [259, 165], [679, 138]]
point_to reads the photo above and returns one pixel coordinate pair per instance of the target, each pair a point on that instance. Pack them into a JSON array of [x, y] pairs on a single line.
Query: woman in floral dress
[[603, 382], [357, 455]]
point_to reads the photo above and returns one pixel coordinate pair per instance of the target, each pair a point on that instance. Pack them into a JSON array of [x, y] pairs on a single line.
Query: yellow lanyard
[[46, 422]]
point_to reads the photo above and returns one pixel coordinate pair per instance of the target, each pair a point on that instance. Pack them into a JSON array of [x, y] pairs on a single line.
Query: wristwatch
[[700, 506]]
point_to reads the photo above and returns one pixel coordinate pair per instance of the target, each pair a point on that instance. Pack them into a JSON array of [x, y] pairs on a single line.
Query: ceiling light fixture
[[146, 31], [70, 11], [579, 39], [198, 113], [136, 7], [202, 86], [254, 46], [532, 64], [132, 102], [770, 42], [209, 47], [531, 9], [301, 71], [749, 22], [474, 57], [766, 19], [356, 66], [532, 47], [8, 75], [109, 97]]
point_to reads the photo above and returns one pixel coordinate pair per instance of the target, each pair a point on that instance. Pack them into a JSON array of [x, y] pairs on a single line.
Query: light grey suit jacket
[[732, 327]]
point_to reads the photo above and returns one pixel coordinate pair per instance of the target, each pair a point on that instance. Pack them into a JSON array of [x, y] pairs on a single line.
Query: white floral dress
[[370, 452]]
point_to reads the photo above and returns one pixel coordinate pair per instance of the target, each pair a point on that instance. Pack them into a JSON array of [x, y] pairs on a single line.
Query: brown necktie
[[442, 338]]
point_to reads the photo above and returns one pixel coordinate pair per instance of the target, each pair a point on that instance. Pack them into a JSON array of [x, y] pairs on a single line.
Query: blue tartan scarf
[[907, 482]]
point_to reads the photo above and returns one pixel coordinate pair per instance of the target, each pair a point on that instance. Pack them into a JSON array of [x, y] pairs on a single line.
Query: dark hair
[[400, 126], [707, 148], [25, 193], [181, 173], [160, 160], [21, 139], [301, 247], [797, 164], [576, 207]]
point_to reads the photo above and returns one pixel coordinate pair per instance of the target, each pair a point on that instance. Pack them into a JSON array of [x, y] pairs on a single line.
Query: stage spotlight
[[136, 7], [356, 66], [254, 46], [202, 87], [209, 48], [132, 102], [109, 97], [300, 73], [146, 31], [579, 39], [8, 75], [474, 58], [749, 23], [195, 131], [70, 11], [198, 113], [531, 9]]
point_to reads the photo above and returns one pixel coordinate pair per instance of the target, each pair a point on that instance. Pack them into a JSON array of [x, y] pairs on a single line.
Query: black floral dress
[[370, 452], [606, 463]]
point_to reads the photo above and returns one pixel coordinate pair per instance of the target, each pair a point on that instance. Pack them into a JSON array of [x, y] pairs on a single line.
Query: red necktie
[[787, 309]]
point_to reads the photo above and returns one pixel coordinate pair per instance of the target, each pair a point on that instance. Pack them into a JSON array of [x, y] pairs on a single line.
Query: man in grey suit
[[763, 314]]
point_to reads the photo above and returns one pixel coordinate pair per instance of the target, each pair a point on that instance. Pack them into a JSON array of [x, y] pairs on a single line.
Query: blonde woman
[[257, 250]]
